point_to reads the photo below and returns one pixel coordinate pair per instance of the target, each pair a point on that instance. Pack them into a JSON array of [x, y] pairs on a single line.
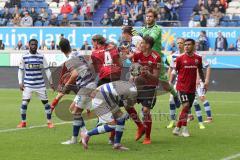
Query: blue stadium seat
[[60, 17], [223, 24], [43, 5], [38, 23], [46, 23], [231, 24], [10, 24], [80, 18], [235, 18], [196, 18], [70, 17], [226, 18], [238, 24], [138, 24]]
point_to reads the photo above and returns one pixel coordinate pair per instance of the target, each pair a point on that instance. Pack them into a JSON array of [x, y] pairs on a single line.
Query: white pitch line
[[31, 127], [232, 157]]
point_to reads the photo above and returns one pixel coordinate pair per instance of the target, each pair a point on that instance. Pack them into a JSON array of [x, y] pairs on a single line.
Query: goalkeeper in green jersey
[[153, 30]]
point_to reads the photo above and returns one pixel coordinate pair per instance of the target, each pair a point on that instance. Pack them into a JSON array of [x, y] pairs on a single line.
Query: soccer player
[[150, 60], [187, 66], [172, 75], [32, 63], [153, 30], [107, 101], [82, 76], [200, 94], [108, 65]]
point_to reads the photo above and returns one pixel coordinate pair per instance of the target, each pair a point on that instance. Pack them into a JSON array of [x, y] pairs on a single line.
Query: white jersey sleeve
[[45, 63]]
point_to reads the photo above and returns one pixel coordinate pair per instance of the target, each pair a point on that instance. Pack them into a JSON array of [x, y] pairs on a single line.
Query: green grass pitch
[[220, 139]]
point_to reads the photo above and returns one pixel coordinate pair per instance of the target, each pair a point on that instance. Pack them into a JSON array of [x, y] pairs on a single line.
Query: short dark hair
[[99, 39], [127, 29], [149, 40], [190, 40], [64, 45], [32, 40], [153, 11]]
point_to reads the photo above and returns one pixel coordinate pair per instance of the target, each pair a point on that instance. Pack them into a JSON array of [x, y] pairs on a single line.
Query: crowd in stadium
[[25, 13]]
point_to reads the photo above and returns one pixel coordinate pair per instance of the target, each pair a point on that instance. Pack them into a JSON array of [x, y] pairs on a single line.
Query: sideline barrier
[[78, 35], [227, 60]]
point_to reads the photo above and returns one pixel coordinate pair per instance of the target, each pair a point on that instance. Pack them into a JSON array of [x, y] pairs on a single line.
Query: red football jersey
[[187, 67], [106, 62], [153, 61]]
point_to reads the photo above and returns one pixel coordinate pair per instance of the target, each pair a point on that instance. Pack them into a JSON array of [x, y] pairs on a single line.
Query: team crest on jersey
[[150, 62]]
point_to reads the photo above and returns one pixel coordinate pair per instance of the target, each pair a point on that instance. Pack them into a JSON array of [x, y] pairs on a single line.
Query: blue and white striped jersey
[[32, 65], [173, 60], [119, 92], [85, 71]]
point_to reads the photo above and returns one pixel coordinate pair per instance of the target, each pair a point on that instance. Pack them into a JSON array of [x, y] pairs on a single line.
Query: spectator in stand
[[43, 15], [164, 16], [26, 47], [17, 20], [203, 11], [43, 46], [23, 10], [238, 44], [221, 43], [52, 46], [110, 14], [106, 21], [217, 14], [34, 14], [203, 21], [8, 4], [117, 20], [231, 48], [2, 46], [209, 5], [53, 21], [86, 46], [12, 3], [220, 6], [139, 17], [65, 21], [132, 15], [27, 20], [203, 41], [66, 8], [212, 21], [145, 6], [197, 7], [127, 21], [136, 6], [19, 46], [16, 11], [7, 15], [83, 10]]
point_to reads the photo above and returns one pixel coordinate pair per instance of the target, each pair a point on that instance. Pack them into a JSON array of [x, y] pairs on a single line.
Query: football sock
[[54, 103], [24, 111], [48, 111], [207, 108], [198, 112], [78, 122], [133, 114], [119, 130], [183, 117], [172, 111], [147, 120], [101, 129]]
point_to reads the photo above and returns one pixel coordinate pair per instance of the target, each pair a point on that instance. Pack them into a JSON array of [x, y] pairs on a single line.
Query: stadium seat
[[223, 24], [231, 24], [46, 23], [80, 18], [60, 17], [196, 18], [69, 17], [38, 23], [235, 18], [138, 24], [226, 18], [10, 24], [43, 5]]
